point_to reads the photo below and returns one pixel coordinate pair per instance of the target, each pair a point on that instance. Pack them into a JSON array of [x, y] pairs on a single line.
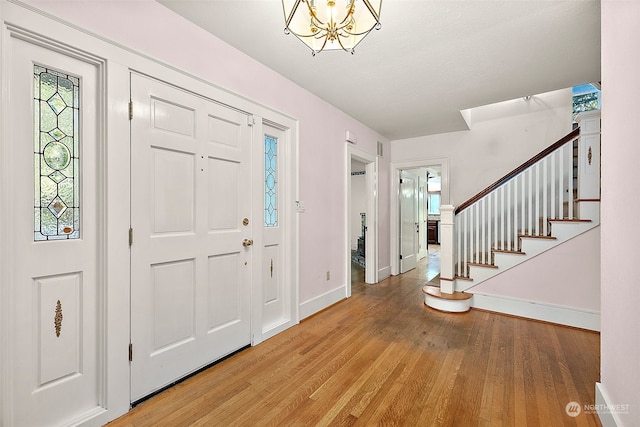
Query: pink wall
[[620, 315], [149, 28]]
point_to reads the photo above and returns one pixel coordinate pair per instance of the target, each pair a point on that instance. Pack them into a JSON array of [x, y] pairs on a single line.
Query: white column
[[589, 165], [447, 260]]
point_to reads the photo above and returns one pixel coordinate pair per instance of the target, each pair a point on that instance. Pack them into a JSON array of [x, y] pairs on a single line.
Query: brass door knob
[[247, 242]]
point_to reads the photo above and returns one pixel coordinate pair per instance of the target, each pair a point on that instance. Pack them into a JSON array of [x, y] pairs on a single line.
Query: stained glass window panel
[[56, 155], [270, 181]]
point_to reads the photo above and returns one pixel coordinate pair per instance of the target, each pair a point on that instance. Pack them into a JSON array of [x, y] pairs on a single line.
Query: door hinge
[[250, 120], [130, 110], [400, 256], [131, 237], [400, 180], [130, 352]]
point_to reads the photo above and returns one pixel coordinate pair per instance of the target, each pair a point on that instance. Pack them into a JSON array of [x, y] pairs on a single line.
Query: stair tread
[[569, 220], [463, 278], [434, 291], [508, 251], [479, 264], [532, 236]]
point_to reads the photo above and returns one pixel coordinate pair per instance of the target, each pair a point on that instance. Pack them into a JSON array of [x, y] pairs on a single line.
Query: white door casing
[[191, 253], [409, 231], [57, 286]]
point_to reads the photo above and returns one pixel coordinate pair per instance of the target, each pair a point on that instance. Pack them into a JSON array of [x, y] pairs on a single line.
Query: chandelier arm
[[290, 17], [357, 34], [372, 10], [341, 45], [326, 39], [349, 14], [317, 35]]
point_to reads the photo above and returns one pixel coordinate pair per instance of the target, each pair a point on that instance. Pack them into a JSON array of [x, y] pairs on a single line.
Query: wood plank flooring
[[383, 358]]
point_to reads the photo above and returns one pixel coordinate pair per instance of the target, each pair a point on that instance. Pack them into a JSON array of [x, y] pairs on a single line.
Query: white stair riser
[[450, 306], [567, 230], [533, 247], [507, 260]]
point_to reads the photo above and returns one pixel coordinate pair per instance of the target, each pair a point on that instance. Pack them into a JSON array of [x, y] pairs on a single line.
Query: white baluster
[[508, 210], [476, 240], [530, 198], [545, 214], [483, 230], [465, 240], [523, 201], [490, 219], [561, 161], [457, 228], [553, 186], [570, 199], [496, 215], [537, 210], [502, 217]]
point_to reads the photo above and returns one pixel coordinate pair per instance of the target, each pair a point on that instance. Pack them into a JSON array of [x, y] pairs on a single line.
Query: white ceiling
[[431, 59]]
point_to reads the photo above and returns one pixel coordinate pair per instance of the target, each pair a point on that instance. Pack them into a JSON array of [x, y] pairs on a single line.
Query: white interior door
[[422, 218], [191, 253], [408, 223], [56, 289]]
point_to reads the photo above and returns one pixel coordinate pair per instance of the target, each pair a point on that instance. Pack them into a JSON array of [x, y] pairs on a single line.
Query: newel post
[[588, 197], [447, 263]]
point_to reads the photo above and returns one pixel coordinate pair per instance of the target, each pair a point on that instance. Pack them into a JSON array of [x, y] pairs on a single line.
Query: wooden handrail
[[544, 153]]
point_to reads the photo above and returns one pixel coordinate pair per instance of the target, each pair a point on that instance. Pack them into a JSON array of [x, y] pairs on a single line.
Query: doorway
[[410, 182], [362, 230]]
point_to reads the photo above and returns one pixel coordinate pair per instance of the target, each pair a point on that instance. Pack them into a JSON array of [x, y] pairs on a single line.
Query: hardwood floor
[[383, 358]]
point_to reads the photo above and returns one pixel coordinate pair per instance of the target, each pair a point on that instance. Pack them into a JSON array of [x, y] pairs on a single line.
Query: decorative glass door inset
[[270, 181], [56, 155]]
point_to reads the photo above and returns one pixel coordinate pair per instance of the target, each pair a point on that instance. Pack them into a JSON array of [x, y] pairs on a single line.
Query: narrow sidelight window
[[270, 181], [56, 155]]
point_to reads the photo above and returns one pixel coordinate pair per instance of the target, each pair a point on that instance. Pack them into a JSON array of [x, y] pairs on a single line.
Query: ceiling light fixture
[[331, 24]]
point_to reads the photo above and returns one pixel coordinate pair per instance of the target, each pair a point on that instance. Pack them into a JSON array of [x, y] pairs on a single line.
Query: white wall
[[148, 27], [620, 275], [502, 136]]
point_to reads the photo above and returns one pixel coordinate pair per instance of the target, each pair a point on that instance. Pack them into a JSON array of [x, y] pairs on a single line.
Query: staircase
[[543, 203]]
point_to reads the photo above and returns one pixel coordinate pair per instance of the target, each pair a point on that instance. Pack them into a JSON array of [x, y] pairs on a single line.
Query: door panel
[[56, 289], [191, 189], [408, 223]]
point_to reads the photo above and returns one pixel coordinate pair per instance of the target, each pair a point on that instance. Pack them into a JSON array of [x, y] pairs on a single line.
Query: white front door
[[408, 223], [57, 291], [191, 221]]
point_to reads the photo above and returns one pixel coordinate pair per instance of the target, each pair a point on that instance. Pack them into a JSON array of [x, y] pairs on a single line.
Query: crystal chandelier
[[331, 24]]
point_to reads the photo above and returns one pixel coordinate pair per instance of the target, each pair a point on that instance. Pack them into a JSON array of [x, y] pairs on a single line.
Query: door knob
[[247, 242]]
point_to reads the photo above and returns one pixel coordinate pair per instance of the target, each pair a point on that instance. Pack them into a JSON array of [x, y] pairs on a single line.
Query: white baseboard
[[272, 330], [383, 273], [321, 302], [606, 417], [537, 310]]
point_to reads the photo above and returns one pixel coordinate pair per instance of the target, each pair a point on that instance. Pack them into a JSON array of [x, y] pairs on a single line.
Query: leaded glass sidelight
[[270, 181], [56, 155]]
